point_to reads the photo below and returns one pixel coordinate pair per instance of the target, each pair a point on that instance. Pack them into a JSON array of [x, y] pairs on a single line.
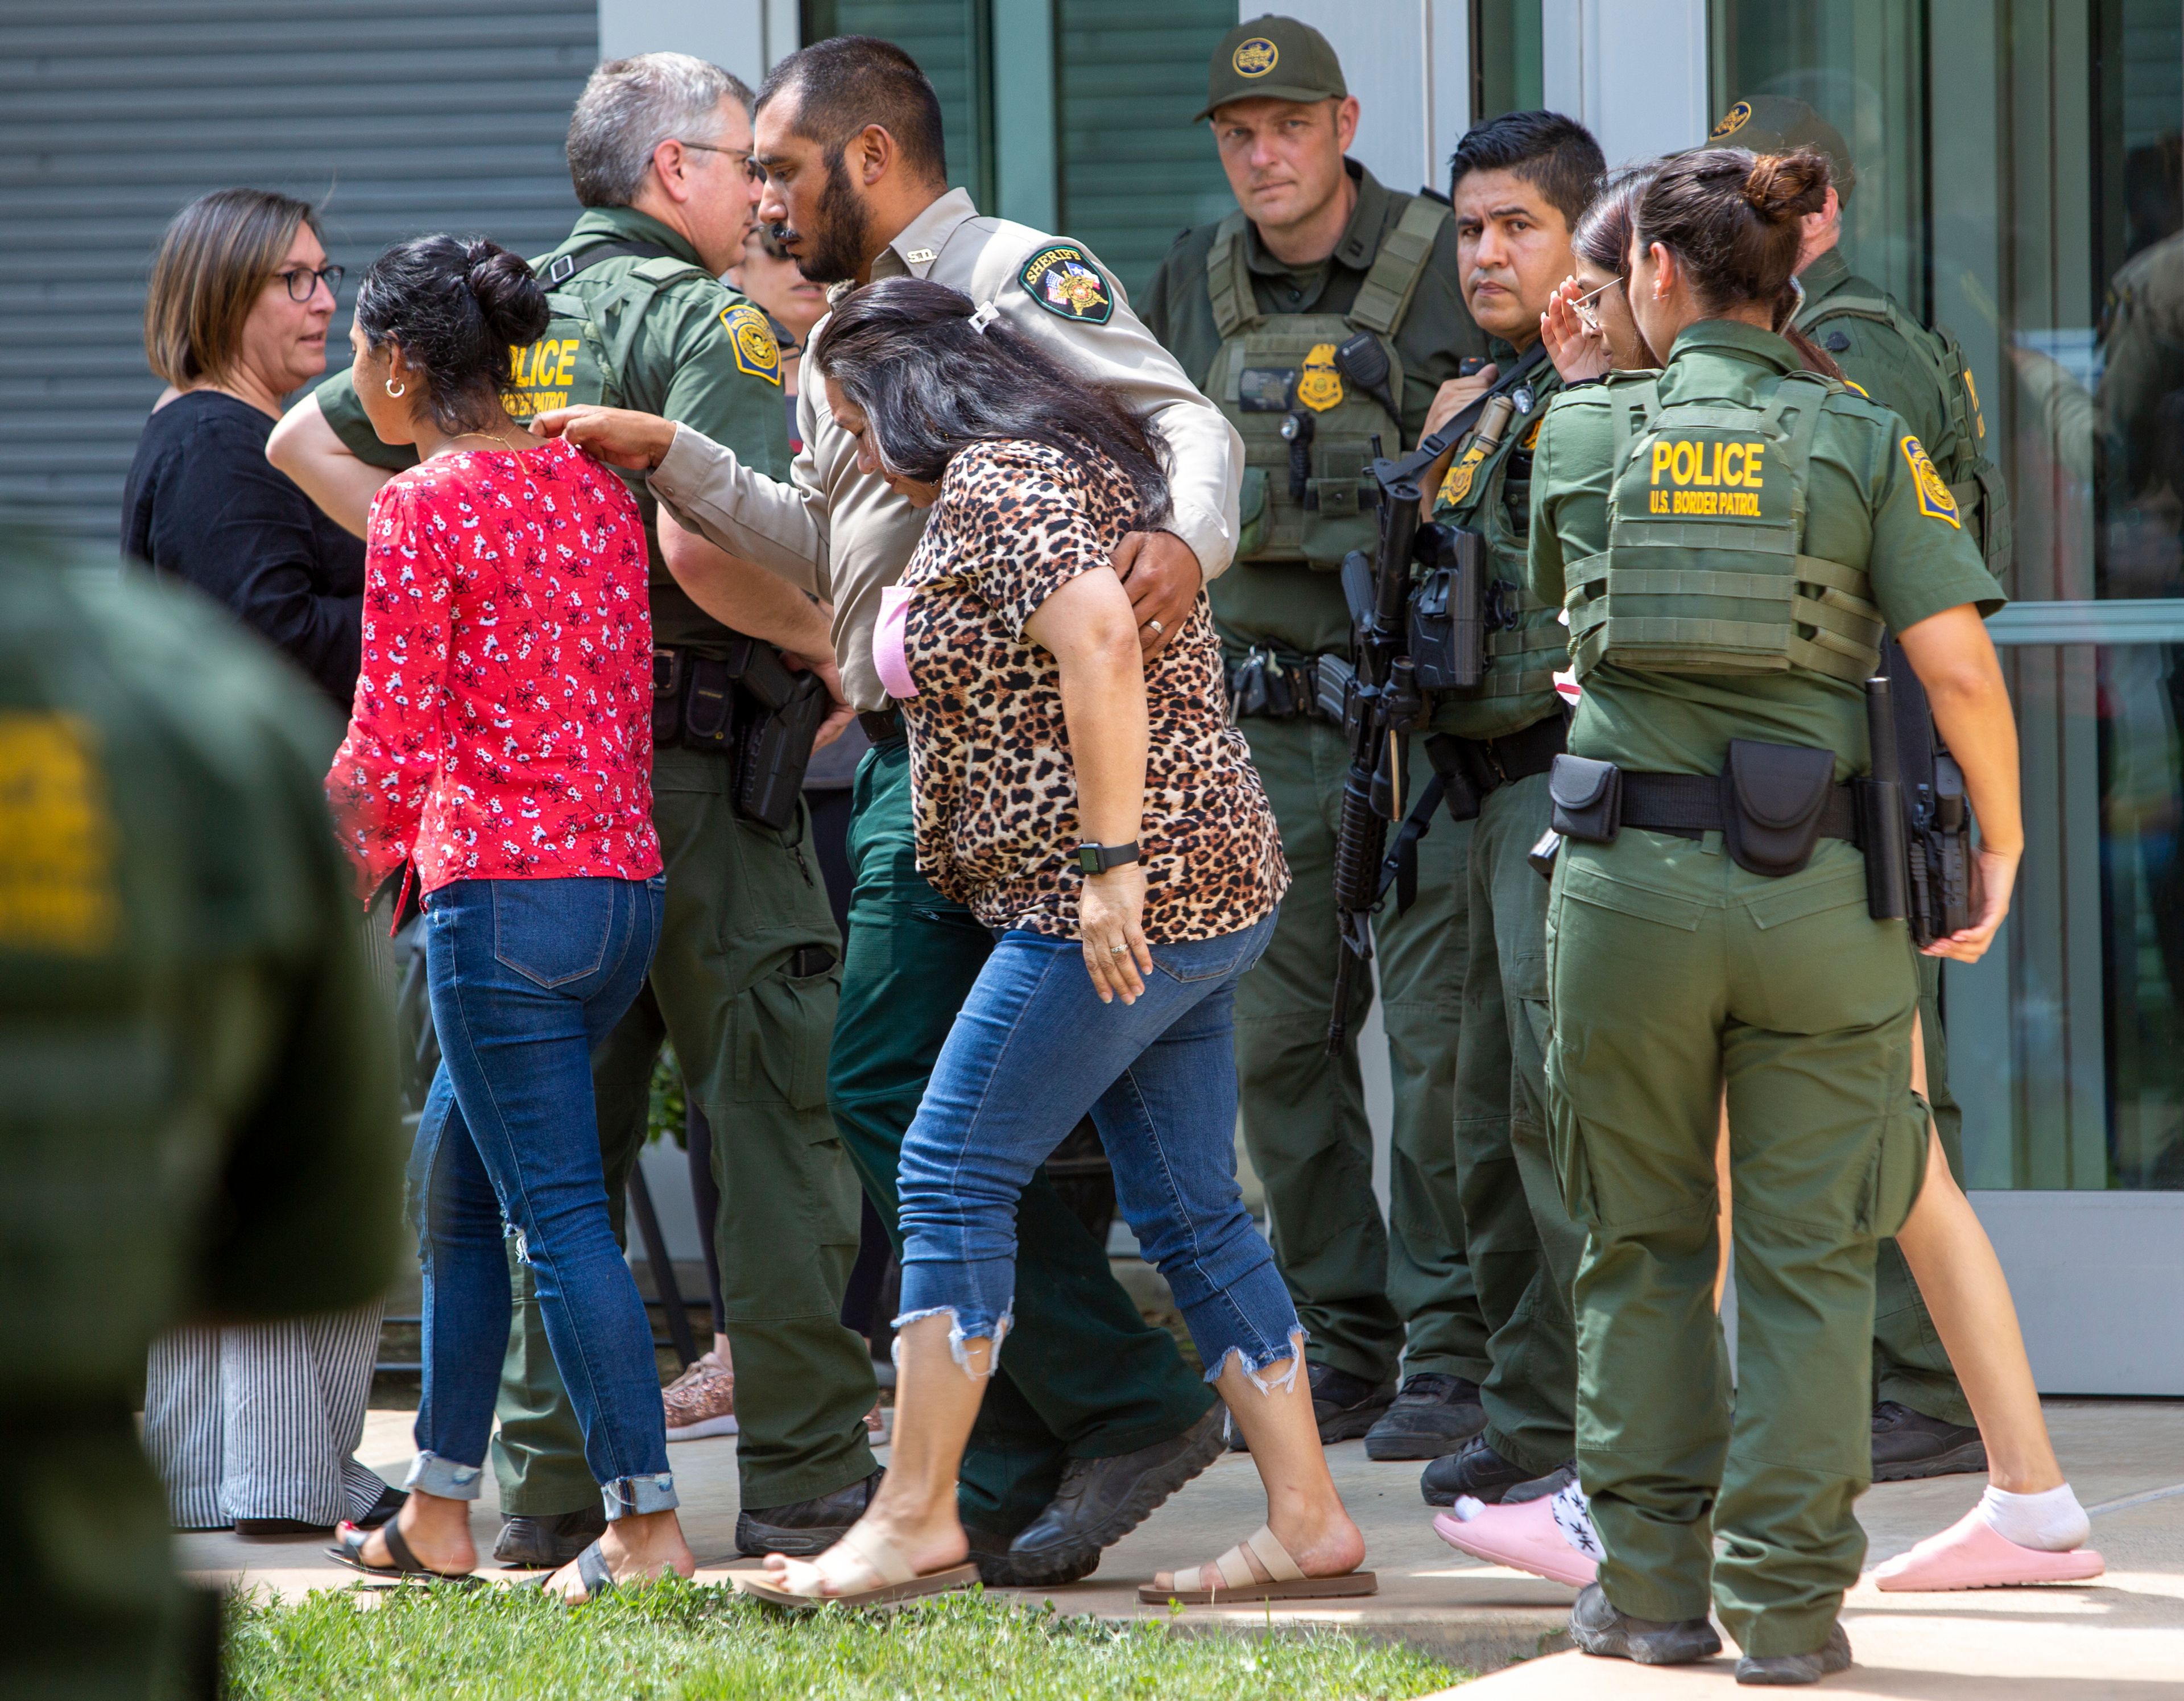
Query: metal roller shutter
[[399, 117], [1135, 168]]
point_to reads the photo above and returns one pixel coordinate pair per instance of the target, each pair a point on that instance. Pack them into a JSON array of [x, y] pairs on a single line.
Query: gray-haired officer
[[1318, 253], [1922, 1424], [745, 979], [1092, 1418]]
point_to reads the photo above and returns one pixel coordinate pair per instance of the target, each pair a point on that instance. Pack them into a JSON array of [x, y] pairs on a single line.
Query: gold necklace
[[498, 443]]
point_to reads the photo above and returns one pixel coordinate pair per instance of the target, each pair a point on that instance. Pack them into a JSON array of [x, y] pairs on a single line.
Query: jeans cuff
[[443, 1479], [994, 1329], [638, 1494], [1255, 1362]]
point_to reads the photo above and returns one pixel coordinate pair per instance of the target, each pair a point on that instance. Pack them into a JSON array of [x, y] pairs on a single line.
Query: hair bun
[[1785, 186], [508, 295]]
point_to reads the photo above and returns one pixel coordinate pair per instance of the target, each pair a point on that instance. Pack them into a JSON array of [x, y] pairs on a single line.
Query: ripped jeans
[[526, 977], [1032, 1052]]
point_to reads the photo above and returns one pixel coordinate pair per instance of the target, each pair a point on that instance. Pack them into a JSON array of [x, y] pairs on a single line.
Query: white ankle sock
[[1574, 1518], [2052, 1523]]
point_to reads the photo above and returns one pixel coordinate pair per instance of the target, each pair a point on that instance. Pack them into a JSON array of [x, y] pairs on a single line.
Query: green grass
[[678, 1641]]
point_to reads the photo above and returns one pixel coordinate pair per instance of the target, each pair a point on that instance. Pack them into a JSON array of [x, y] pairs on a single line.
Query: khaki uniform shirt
[[1864, 507], [843, 535]]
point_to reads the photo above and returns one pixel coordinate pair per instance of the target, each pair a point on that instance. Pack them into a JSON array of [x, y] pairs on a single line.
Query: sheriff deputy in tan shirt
[[1108, 1421]]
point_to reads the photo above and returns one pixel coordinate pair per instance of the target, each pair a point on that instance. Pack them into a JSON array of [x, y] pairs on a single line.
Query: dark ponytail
[[1732, 220], [457, 308]]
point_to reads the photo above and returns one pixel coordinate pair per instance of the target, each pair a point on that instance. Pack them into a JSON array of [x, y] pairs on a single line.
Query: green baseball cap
[[1775, 124], [1272, 59]]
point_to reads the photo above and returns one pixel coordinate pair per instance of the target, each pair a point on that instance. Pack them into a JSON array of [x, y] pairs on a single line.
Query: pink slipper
[[1524, 1537], [1972, 1554]]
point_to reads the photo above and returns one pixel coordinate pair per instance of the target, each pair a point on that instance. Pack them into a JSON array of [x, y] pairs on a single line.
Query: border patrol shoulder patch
[[1061, 278], [1935, 501], [752, 338], [1731, 121]]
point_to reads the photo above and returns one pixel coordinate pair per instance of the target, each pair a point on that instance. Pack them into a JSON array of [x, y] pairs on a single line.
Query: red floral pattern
[[502, 727]]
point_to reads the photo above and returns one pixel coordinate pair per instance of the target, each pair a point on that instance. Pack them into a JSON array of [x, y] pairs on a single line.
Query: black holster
[[1448, 611], [747, 707]]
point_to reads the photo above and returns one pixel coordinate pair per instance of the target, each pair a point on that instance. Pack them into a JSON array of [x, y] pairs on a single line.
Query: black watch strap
[[1098, 859]]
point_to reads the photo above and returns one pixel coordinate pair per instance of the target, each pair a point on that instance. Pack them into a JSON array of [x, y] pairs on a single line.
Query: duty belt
[[1269, 685], [1465, 770], [1690, 806], [882, 726]]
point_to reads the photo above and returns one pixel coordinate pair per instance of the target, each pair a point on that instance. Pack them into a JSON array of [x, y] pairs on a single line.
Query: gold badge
[[1532, 437], [1971, 395], [1457, 485], [756, 352], [1935, 501], [1255, 57], [1853, 384], [58, 892], [1321, 386], [1731, 121]]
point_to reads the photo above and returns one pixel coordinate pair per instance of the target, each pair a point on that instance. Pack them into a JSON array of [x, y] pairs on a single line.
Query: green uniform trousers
[[1365, 1292], [1671, 970], [752, 1039], [1910, 1366], [1523, 1247], [1084, 1375], [94, 1609]]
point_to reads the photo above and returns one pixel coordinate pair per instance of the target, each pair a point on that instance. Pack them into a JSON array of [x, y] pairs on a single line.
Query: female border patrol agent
[[1731, 538]]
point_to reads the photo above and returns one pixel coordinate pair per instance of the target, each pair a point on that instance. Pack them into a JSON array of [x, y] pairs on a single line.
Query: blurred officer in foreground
[[744, 981], [1922, 1424], [1520, 183], [1093, 1419], [1318, 253], [199, 1124]]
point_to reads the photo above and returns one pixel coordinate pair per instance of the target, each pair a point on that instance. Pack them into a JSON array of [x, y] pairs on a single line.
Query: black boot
[[1477, 1471], [1432, 1414], [1833, 1656], [804, 1527], [1598, 1628], [548, 1543], [1909, 1445], [1346, 1406], [1102, 1500]]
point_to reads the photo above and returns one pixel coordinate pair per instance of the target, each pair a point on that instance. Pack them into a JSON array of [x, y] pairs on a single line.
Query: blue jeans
[[526, 977], [1032, 1052]]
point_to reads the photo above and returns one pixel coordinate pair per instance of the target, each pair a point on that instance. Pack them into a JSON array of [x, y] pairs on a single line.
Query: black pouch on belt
[[1773, 800], [1587, 797]]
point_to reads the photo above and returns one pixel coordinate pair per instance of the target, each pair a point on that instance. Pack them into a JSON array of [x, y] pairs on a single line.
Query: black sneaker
[[1477, 1471], [1798, 1668], [544, 1544], [1346, 1406], [804, 1527], [1599, 1629], [1432, 1414], [1100, 1501], [1908, 1446]]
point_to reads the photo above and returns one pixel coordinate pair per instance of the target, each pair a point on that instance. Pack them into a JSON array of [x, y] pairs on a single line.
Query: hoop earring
[[397, 391]]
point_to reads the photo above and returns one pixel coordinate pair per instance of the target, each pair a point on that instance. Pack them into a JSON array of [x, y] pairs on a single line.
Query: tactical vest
[[1274, 367], [585, 345], [1974, 481], [1704, 570]]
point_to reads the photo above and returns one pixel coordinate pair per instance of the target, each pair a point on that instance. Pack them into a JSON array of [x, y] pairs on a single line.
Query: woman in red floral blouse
[[500, 755]]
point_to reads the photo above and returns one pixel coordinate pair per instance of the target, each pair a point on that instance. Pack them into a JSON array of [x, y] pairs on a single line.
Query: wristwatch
[[1098, 859]]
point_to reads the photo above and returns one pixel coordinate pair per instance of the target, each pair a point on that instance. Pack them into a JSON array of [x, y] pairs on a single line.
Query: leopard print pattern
[[995, 792]]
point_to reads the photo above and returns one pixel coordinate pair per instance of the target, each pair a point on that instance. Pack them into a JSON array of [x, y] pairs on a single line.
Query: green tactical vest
[[1271, 366], [1982, 497], [580, 357], [1704, 570]]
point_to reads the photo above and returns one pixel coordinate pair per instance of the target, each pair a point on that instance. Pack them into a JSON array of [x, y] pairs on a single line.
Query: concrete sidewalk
[[2122, 1637]]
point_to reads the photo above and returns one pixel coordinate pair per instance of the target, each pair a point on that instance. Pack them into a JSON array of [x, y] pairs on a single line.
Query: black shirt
[[203, 503]]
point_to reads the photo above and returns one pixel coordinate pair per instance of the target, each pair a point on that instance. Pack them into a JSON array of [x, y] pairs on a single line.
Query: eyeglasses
[[751, 169], [303, 282], [1591, 319]]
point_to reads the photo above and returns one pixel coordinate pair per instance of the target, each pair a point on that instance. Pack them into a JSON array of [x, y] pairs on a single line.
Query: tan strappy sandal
[[1230, 1579], [893, 1577]]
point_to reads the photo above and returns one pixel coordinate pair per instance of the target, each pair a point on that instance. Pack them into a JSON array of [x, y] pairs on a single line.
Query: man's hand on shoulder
[[620, 436], [1162, 575]]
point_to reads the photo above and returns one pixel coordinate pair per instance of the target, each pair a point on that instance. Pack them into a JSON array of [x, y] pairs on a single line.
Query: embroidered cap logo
[[1255, 57]]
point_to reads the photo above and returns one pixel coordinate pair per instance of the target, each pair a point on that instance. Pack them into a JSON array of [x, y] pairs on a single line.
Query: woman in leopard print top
[[1036, 727]]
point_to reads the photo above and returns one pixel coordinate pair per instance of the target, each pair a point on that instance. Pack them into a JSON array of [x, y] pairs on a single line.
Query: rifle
[[1382, 699]]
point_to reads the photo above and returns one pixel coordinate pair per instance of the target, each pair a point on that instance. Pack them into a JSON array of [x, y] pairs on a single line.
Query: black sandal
[[592, 1571], [348, 1549]]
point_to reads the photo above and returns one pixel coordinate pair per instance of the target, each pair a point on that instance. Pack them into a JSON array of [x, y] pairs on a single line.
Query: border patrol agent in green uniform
[[199, 1122], [1521, 182], [1701, 931], [1258, 335], [1922, 1424], [745, 979]]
